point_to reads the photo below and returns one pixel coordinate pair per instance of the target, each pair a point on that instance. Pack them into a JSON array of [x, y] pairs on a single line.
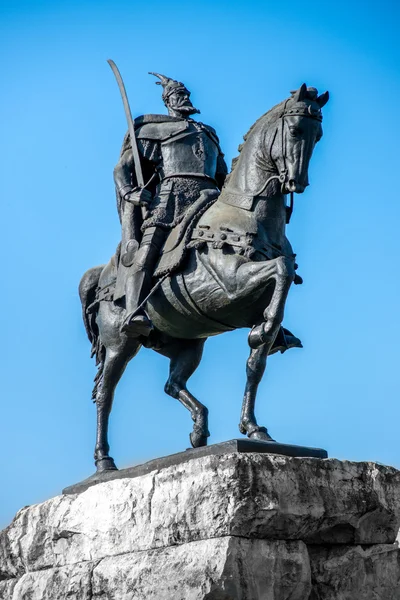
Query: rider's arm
[[124, 171], [125, 181]]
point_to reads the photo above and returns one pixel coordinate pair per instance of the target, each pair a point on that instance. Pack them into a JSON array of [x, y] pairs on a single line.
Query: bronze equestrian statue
[[195, 261]]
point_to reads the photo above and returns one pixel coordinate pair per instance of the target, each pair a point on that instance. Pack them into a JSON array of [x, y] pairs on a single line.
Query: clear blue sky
[[63, 123]]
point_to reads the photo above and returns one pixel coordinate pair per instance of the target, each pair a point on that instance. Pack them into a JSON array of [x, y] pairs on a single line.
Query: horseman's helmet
[[169, 85]]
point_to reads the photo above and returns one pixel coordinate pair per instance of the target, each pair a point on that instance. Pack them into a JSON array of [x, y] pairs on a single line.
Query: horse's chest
[[241, 231], [270, 215], [271, 235]]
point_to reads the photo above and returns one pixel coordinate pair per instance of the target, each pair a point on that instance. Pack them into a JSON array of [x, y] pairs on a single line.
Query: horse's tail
[[87, 293]]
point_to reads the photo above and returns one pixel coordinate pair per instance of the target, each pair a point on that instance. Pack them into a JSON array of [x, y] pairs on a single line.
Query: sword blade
[[131, 129]]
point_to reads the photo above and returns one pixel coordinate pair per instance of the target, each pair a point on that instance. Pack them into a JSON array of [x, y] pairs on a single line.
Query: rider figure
[[186, 158]]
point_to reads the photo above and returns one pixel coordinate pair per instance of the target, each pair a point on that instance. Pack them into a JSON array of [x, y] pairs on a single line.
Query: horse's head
[[298, 130]]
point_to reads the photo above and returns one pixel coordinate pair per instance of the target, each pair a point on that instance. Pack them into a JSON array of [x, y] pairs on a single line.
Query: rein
[[283, 175]]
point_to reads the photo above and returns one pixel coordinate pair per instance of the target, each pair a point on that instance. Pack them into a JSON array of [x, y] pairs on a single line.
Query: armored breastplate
[[191, 152]]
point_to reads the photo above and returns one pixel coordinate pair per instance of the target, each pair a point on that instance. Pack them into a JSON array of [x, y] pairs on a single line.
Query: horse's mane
[[269, 117]]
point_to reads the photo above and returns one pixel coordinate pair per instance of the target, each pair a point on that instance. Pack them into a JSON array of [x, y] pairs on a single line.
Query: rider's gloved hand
[[139, 196]]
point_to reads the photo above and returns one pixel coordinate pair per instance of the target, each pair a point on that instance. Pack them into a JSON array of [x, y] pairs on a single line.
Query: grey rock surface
[[73, 581], [356, 572], [227, 568], [6, 588], [231, 509]]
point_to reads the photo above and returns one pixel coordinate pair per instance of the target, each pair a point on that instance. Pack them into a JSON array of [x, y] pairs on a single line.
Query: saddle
[[173, 251], [176, 244]]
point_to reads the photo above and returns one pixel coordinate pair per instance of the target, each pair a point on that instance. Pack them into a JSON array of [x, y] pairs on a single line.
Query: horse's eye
[[295, 131]]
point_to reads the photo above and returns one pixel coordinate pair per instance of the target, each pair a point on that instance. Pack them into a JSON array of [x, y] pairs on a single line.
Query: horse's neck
[[269, 207], [248, 176], [255, 177]]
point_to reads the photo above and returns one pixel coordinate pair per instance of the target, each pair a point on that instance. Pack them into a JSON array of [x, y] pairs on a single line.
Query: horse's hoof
[[255, 339], [261, 434], [258, 337], [198, 439], [105, 464]]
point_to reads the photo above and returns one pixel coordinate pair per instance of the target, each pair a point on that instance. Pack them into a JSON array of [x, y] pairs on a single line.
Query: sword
[[131, 129]]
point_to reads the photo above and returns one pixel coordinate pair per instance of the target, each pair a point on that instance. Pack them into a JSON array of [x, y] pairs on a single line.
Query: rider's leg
[[138, 283]]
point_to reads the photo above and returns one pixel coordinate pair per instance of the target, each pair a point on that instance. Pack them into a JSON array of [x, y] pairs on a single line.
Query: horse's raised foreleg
[[255, 368], [282, 276], [111, 371], [185, 357]]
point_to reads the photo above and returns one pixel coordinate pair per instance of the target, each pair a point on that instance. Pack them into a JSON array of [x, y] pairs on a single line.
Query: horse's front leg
[[261, 339], [255, 368]]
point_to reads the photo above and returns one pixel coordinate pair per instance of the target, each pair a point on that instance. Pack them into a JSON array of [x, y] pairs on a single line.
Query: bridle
[[282, 177]]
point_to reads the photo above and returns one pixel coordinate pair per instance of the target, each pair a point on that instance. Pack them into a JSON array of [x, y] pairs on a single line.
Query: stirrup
[[135, 325]]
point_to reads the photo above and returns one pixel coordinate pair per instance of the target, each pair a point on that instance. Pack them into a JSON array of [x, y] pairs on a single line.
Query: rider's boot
[[138, 283], [136, 322]]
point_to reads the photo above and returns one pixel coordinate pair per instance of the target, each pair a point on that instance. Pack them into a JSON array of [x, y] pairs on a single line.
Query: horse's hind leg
[[112, 369], [185, 357]]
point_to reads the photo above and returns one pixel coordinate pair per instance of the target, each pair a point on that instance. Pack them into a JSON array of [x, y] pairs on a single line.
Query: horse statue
[[236, 272]]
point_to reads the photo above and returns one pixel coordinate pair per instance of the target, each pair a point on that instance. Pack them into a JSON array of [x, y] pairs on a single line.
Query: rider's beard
[[187, 110]]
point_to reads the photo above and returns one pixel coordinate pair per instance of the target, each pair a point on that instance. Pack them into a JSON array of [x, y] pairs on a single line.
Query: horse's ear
[[300, 94], [322, 99]]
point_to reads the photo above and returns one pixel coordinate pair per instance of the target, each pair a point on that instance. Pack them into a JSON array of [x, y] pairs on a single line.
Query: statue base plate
[[241, 445]]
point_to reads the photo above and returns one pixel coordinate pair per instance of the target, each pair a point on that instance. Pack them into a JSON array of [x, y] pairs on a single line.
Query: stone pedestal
[[219, 527]]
